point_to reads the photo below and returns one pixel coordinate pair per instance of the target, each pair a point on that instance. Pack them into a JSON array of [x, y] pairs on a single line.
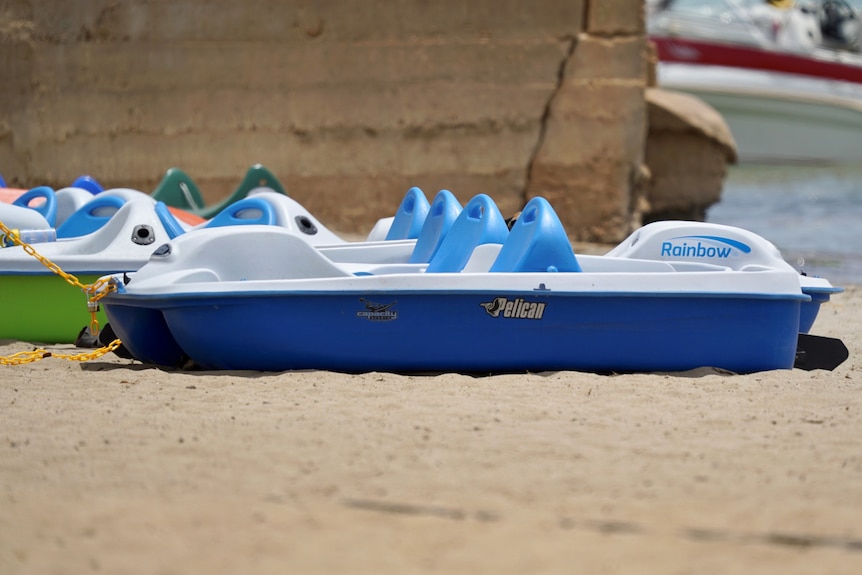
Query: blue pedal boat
[[478, 298], [114, 231]]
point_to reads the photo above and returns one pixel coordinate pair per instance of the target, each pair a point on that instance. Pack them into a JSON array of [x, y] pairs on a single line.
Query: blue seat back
[[90, 217], [169, 222], [410, 216], [537, 243], [48, 208], [247, 211], [444, 210], [88, 183], [479, 223]]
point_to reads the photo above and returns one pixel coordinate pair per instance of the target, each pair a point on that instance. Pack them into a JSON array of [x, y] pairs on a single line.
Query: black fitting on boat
[[306, 226], [143, 235]]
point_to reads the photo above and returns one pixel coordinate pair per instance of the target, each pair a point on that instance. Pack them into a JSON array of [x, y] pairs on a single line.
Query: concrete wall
[[348, 102]]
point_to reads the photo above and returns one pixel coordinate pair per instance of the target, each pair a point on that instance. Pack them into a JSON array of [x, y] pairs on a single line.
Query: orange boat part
[[186, 217], [9, 195]]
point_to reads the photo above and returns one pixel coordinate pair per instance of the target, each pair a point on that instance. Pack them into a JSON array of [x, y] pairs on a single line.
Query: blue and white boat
[[114, 231], [471, 296]]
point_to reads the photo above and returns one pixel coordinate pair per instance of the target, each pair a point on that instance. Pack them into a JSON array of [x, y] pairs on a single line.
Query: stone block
[[687, 152], [592, 200], [671, 111], [688, 173], [590, 155], [596, 120], [603, 58], [17, 84], [615, 17], [116, 66], [12, 14], [276, 21], [306, 114]]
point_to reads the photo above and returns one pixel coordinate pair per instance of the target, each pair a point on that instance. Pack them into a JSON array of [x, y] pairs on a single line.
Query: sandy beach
[[114, 467]]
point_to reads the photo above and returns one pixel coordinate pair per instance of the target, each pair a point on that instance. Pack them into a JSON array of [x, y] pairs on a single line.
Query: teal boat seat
[[248, 211], [48, 207], [88, 183], [178, 190], [443, 212], [90, 217], [537, 243], [410, 216], [479, 223], [256, 177], [172, 227]]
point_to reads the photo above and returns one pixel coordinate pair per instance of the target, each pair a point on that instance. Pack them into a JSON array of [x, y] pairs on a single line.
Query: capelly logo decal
[[515, 308], [693, 247], [377, 311]]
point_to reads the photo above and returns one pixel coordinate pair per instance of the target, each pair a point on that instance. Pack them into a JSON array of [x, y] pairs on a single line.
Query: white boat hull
[[775, 117]]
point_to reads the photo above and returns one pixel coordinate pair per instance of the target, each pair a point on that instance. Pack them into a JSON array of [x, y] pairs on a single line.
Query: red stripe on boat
[[685, 50]]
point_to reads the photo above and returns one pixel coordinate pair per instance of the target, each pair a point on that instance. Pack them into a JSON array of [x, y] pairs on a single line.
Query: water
[[812, 214]]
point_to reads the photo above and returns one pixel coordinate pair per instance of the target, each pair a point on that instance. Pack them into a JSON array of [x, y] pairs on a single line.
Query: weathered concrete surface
[[688, 149], [588, 163], [349, 104]]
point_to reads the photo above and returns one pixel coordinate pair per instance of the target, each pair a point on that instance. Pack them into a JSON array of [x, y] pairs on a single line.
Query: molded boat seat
[[444, 210], [537, 243], [410, 216], [69, 201], [47, 208], [479, 223], [246, 211], [257, 176], [88, 183], [177, 189], [292, 215], [90, 217]]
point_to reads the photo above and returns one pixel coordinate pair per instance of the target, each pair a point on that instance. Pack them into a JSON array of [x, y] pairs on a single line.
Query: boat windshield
[[795, 25], [725, 20]]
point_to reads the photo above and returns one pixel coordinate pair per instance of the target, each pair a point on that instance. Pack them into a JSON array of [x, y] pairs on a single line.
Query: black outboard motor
[[840, 25]]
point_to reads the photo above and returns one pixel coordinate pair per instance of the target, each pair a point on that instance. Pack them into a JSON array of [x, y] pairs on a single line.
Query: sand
[[114, 467]]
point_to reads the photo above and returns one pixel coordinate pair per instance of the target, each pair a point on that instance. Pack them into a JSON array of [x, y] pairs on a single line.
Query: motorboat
[[787, 79], [478, 298]]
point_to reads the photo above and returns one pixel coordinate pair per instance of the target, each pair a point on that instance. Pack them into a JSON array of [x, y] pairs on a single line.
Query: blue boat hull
[[809, 310], [145, 335], [461, 331]]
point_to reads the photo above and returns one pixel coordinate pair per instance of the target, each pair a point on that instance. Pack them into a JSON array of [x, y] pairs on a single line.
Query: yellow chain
[[95, 292], [23, 357]]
